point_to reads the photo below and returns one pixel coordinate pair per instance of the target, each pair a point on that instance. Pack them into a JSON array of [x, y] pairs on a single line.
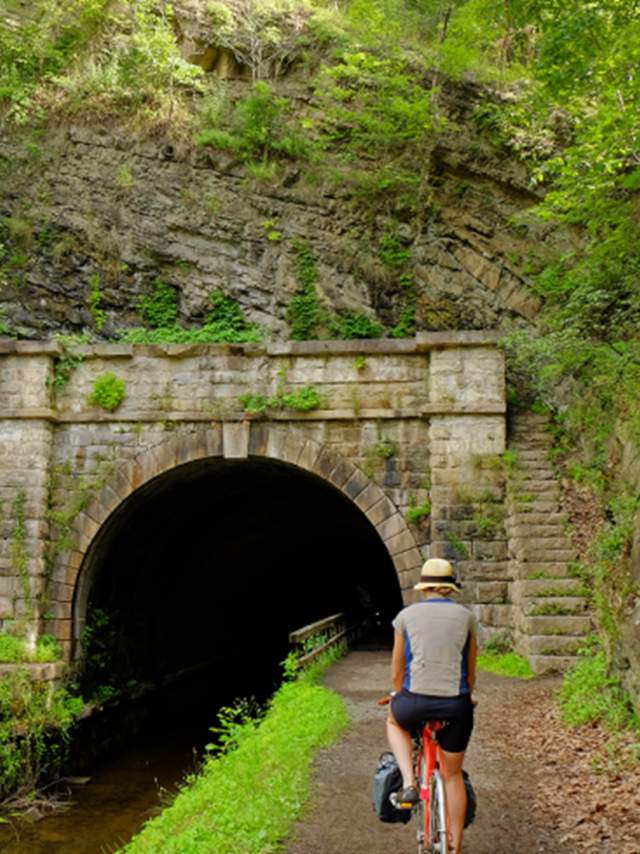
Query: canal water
[[122, 793], [148, 747]]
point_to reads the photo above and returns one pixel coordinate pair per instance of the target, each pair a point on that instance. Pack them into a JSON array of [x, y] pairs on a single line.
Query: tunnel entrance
[[207, 568]]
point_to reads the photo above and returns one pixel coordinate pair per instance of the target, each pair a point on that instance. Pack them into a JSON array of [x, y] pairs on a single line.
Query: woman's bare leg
[[401, 743], [456, 796]]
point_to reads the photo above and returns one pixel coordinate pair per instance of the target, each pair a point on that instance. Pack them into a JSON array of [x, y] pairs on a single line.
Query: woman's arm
[[397, 662]]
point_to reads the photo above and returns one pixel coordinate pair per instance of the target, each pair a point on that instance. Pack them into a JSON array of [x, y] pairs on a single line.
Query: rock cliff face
[[92, 210]]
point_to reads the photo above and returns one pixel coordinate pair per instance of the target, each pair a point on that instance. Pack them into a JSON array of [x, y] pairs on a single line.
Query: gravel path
[[340, 818]]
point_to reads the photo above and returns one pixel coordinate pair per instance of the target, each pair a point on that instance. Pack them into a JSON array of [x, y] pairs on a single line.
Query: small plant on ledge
[[417, 512], [304, 399], [108, 392]]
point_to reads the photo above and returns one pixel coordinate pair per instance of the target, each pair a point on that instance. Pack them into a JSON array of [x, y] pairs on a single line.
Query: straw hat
[[437, 572]]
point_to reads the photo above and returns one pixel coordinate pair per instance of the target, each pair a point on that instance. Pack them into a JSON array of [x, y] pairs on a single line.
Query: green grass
[[13, 650], [589, 693], [505, 664], [245, 801]]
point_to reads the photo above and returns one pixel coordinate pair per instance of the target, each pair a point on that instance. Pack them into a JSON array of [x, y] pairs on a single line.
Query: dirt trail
[[340, 819]]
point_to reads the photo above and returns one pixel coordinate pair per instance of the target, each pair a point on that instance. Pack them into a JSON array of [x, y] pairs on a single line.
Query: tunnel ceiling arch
[[225, 450]]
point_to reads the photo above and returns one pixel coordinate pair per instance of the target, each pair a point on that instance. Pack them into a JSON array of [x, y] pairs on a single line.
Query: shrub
[[159, 310], [12, 649], [417, 512], [225, 322], [108, 391], [304, 399], [352, 324], [590, 693], [255, 129], [34, 724], [305, 315]]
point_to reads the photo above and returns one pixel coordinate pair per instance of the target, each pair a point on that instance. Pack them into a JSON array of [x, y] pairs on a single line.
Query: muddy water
[[122, 793]]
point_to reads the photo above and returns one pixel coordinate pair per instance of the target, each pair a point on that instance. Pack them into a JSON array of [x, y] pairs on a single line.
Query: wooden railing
[[312, 640]]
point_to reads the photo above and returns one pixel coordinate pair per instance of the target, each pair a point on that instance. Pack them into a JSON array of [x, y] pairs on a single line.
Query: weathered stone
[[391, 526], [356, 484], [409, 561], [235, 440], [369, 496], [381, 511]]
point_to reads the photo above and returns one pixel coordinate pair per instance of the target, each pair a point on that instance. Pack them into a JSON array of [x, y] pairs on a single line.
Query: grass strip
[[505, 664], [247, 799], [589, 693]]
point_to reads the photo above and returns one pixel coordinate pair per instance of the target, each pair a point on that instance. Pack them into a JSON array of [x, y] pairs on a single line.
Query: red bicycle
[[431, 809]]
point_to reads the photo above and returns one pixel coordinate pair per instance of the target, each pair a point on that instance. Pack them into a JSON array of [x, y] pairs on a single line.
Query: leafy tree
[[263, 35]]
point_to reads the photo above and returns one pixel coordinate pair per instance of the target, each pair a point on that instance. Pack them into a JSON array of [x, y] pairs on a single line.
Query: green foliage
[[77, 494], [406, 325], [385, 449], [373, 105], [48, 649], [263, 36], [607, 571], [124, 178], [303, 399], [159, 310], [360, 363], [246, 798], [417, 512], [256, 404], [305, 315], [95, 301], [460, 548], [499, 644], [34, 727], [392, 253], [42, 47], [590, 693], [256, 129], [108, 391], [505, 664], [18, 544], [68, 360], [550, 609], [510, 460], [84, 56], [225, 321], [350, 324], [14, 650], [272, 233]]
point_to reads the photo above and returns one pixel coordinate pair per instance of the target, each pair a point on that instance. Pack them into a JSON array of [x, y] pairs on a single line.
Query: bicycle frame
[[431, 789]]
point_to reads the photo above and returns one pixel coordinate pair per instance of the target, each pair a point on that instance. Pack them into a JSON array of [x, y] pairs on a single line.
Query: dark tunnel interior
[[206, 569]]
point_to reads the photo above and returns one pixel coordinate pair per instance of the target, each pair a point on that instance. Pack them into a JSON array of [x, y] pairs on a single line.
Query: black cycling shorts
[[411, 711]]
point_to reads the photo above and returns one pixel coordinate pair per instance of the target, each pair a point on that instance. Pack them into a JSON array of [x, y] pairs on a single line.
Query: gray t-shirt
[[436, 632]]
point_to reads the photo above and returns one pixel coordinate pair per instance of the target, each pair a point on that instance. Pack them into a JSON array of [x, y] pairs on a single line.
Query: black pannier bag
[[472, 800], [388, 779]]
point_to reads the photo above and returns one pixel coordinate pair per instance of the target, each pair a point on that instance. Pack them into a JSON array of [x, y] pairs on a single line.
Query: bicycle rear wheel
[[438, 840]]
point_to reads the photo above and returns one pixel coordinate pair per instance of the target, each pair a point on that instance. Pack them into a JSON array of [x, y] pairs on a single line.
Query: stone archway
[[231, 441]]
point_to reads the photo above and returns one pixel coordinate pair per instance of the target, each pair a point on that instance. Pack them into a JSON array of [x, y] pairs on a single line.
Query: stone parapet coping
[[93, 416], [423, 342]]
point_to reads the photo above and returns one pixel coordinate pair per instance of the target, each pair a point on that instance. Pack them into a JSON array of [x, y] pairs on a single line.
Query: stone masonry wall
[[400, 424]]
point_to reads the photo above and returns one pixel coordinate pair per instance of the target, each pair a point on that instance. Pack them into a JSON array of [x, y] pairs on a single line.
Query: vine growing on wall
[[19, 555]]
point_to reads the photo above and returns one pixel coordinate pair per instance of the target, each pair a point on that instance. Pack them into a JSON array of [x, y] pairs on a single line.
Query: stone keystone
[[235, 440]]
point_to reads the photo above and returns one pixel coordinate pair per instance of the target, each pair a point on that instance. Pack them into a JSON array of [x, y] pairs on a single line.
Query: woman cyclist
[[433, 671]]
